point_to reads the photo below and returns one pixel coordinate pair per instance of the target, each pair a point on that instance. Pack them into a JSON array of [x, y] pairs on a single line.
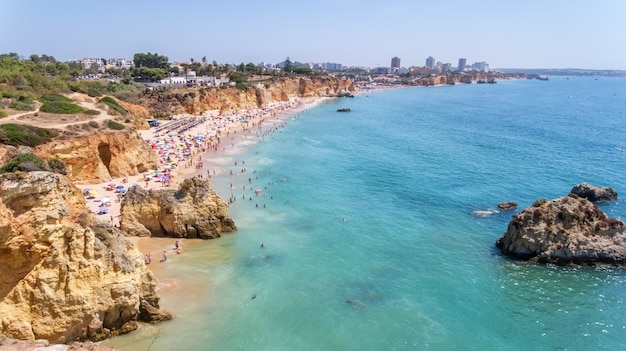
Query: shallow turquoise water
[[370, 243]]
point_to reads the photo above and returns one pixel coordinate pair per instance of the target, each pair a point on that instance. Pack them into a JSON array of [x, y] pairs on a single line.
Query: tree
[[204, 60], [251, 68], [288, 65], [151, 60]]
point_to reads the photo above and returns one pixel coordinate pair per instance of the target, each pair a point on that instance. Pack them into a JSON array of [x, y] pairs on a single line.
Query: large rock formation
[[101, 157], [192, 211], [594, 193], [566, 230], [64, 275]]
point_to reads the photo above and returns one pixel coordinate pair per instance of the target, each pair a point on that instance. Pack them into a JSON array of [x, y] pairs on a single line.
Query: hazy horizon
[[530, 35]]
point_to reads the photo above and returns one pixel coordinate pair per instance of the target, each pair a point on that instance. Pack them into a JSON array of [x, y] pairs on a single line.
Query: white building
[[88, 62], [120, 63]]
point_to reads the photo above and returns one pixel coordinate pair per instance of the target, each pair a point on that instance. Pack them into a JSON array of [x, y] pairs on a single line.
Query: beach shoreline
[[225, 136]]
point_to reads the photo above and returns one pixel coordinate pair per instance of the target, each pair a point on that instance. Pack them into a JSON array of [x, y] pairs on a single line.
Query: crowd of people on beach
[[186, 142]]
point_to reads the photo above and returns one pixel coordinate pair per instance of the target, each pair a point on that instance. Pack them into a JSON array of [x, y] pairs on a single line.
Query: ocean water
[[369, 238]]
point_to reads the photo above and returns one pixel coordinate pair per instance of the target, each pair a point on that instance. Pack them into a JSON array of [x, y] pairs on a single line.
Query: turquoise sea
[[369, 238]]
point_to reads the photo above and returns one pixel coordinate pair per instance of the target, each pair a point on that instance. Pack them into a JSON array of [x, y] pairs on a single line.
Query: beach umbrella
[[119, 187], [122, 191], [92, 192]]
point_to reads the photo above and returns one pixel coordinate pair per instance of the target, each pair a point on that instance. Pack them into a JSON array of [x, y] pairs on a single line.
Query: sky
[[504, 33]]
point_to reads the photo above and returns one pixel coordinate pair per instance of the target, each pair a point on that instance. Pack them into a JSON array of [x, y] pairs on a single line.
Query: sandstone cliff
[[163, 102], [566, 230], [192, 211], [65, 276], [100, 157]]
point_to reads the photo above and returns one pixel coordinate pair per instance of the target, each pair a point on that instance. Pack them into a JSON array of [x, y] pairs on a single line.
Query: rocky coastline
[[66, 276], [70, 276]]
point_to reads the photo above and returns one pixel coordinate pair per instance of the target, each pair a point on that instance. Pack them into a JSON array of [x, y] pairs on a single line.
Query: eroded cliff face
[[261, 94], [100, 157], [192, 211], [64, 275]]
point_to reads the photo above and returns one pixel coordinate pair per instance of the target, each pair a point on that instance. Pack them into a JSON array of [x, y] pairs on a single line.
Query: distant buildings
[[430, 62], [481, 66], [446, 68], [120, 63], [462, 63], [395, 62], [89, 62], [101, 64], [329, 66]]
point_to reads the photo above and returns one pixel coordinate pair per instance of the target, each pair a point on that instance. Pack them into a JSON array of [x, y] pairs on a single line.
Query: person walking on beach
[[164, 256]]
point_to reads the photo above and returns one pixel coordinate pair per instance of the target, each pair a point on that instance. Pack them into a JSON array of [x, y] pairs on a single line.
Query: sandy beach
[[207, 136]]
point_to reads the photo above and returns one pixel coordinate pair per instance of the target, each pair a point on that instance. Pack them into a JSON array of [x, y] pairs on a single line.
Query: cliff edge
[[65, 276]]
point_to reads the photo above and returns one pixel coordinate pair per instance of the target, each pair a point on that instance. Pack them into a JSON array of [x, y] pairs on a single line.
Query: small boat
[[343, 109]]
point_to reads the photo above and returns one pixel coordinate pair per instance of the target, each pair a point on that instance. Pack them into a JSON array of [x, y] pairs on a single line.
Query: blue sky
[[504, 33]]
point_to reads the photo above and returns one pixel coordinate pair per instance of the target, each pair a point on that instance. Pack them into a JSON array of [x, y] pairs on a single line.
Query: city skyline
[[533, 34]]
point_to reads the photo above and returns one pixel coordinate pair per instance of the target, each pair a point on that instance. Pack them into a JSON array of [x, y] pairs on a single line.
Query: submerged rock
[[594, 193], [192, 211], [507, 206], [567, 230]]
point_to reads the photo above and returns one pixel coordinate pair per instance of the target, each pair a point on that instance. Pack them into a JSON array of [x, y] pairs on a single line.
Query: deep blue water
[[370, 241]]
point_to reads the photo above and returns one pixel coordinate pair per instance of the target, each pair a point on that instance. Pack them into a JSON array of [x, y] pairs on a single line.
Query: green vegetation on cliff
[[114, 125], [113, 105], [54, 103], [25, 80], [19, 134], [25, 163]]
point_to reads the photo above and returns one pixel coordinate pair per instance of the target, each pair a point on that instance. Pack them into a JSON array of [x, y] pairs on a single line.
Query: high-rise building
[[462, 63], [430, 62], [395, 62]]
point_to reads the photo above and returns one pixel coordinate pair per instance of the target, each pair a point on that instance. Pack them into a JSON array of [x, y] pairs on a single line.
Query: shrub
[[113, 105], [3, 113], [114, 125], [54, 103], [25, 162], [18, 134], [21, 106], [57, 166], [92, 112], [94, 124]]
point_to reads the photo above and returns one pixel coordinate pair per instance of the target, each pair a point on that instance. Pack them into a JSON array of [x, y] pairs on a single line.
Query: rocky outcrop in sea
[[64, 275], [192, 211], [594, 193], [567, 230]]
